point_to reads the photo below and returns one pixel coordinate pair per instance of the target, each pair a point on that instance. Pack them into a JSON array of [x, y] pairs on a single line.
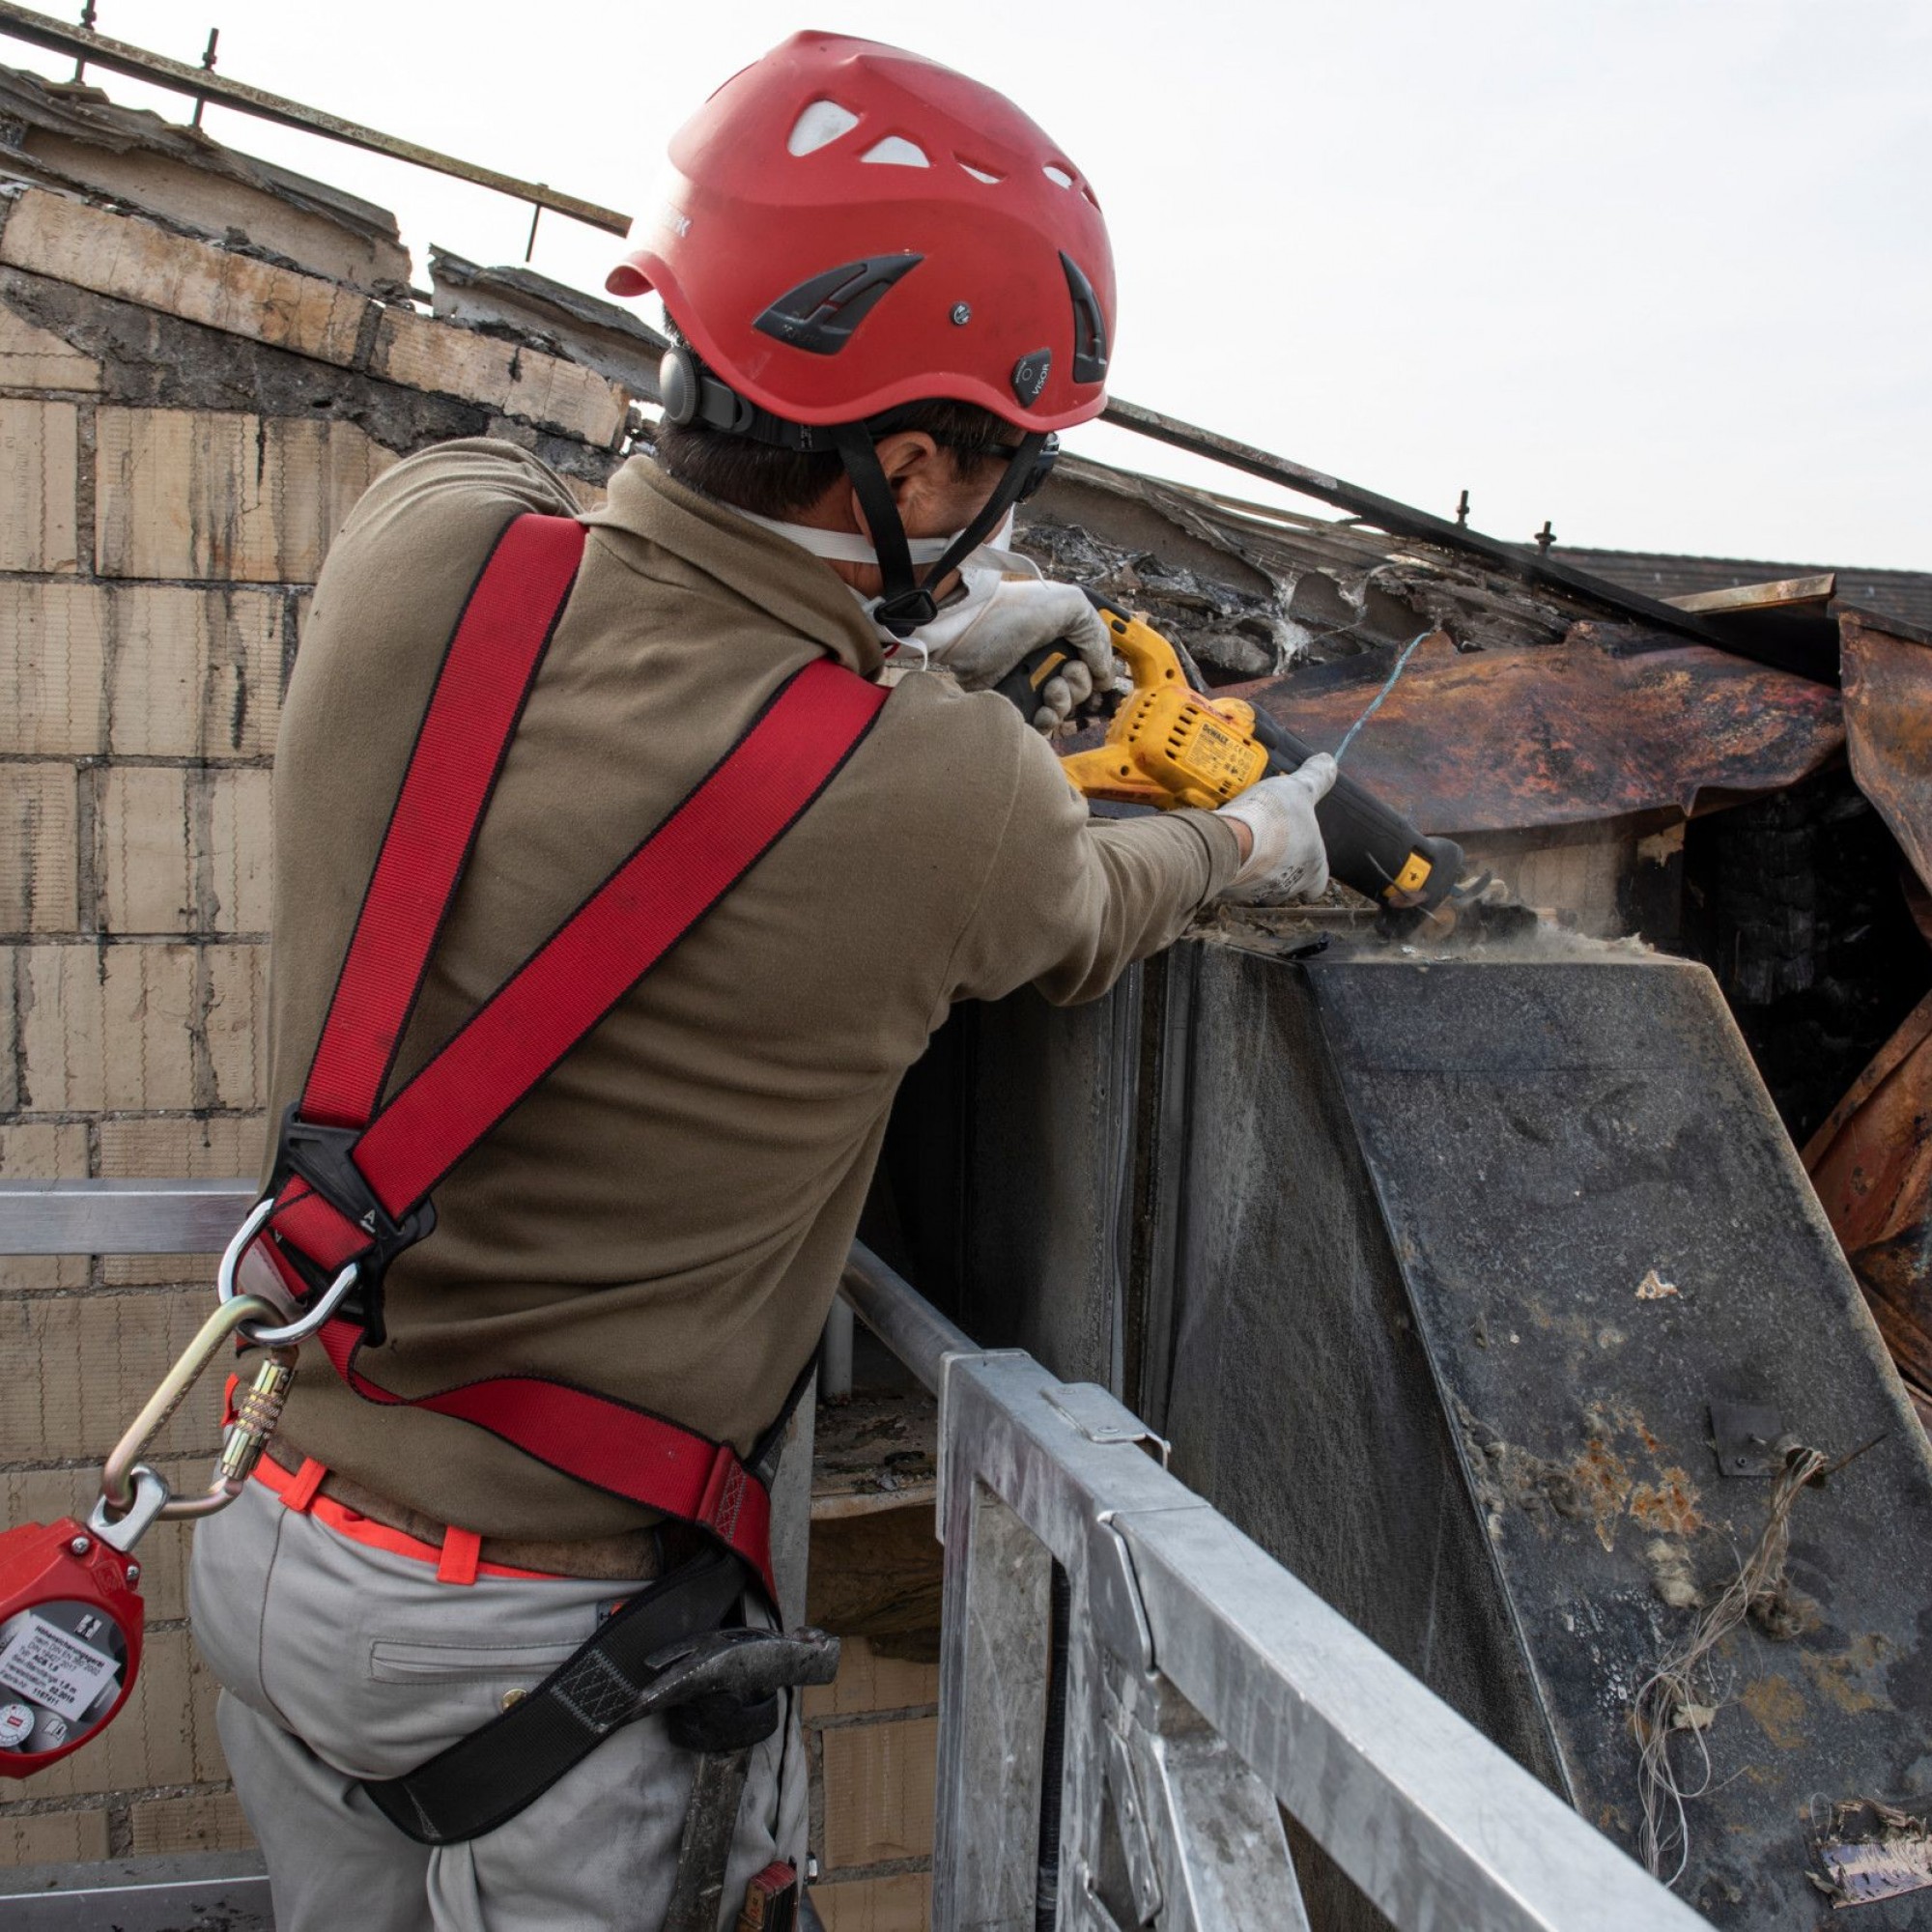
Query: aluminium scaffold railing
[[1123, 1675]]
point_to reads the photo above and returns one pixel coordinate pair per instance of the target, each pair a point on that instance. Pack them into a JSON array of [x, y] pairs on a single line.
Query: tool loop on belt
[[661, 1654]]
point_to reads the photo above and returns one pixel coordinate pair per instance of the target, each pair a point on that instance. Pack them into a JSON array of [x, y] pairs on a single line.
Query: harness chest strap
[[355, 1173]]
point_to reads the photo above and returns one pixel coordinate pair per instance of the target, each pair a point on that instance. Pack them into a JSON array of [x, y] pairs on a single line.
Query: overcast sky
[[1659, 270]]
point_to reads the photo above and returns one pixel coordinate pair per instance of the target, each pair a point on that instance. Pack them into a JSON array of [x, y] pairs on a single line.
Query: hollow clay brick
[[210, 1821], [901, 1903], [422, 352], [139, 261], [38, 873], [142, 842], [211, 494], [53, 640], [40, 453], [879, 1781], [53, 1838], [31, 358], [108, 1027]]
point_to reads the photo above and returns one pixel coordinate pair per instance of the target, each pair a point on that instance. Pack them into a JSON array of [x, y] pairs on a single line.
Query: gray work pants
[[338, 1662]]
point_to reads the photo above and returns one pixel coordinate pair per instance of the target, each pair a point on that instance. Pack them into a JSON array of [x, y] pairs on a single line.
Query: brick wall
[[870, 1737], [182, 428]]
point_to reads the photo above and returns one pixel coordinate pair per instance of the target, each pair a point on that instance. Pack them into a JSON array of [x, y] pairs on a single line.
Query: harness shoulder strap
[[487, 674], [355, 1173]]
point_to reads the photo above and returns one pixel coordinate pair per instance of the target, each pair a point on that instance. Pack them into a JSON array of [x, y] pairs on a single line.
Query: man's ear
[[920, 476], [913, 467]]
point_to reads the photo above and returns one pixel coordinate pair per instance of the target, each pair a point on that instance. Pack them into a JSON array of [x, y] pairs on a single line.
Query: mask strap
[[1026, 452], [841, 546], [907, 604]]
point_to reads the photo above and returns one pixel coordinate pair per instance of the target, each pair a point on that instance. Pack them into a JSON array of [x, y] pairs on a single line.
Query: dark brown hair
[[774, 482]]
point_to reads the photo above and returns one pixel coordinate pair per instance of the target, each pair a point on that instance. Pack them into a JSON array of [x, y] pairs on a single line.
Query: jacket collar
[[757, 565]]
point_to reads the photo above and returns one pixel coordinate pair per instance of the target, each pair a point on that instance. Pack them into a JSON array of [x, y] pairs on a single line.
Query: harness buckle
[[323, 1157]]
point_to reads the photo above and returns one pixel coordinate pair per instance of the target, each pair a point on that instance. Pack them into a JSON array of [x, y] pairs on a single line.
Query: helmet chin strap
[[692, 394], [907, 602]]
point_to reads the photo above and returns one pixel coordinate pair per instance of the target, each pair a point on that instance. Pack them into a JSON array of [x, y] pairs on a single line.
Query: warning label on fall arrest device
[[54, 1669]]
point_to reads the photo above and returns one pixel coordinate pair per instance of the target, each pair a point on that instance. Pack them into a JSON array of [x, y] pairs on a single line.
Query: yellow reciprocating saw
[[1169, 744]]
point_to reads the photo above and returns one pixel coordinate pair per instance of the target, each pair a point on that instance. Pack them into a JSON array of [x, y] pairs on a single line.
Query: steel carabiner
[[134, 1495]]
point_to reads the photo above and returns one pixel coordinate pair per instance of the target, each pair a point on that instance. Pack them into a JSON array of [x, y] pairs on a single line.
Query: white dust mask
[[846, 545]]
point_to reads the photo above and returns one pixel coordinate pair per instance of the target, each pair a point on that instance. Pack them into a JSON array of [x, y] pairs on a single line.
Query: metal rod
[[42, 31], [208, 66], [835, 1362], [225, 1889], [199, 1217], [902, 1317], [122, 1217], [1403, 521]]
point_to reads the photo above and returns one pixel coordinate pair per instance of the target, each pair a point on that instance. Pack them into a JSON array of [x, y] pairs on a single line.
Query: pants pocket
[[401, 1660]]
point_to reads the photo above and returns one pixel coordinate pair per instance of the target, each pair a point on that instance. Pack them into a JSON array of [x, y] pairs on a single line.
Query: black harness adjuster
[[323, 1157]]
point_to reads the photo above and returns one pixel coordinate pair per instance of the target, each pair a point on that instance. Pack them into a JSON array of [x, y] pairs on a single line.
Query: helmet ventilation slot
[[896, 152], [820, 314], [818, 127]]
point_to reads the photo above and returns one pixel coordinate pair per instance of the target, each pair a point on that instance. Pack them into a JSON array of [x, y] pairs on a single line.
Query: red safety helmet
[[850, 228]]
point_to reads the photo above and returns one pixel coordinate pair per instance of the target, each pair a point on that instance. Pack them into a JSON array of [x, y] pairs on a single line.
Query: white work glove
[[1007, 614], [1288, 860]]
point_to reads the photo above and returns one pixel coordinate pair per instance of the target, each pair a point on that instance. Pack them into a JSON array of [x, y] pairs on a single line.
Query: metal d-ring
[[310, 1320], [231, 1258]]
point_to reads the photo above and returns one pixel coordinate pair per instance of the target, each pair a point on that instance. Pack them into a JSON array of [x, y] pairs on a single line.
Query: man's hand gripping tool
[[1169, 744]]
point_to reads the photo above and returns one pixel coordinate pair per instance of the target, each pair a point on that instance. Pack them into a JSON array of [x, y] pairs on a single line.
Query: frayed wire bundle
[[1680, 1694]]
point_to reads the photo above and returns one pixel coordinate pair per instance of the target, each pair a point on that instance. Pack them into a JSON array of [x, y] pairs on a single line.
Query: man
[[893, 289]]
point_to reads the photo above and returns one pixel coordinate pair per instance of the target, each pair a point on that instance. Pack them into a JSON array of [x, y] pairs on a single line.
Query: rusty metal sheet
[[1871, 1163], [1494, 741], [1887, 696]]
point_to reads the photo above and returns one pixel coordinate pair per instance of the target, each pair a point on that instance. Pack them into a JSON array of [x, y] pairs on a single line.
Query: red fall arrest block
[[70, 1613], [70, 1640]]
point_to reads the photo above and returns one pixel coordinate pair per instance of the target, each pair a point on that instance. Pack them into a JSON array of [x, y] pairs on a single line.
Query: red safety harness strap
[[671, 879], [487, 674], [605, 1443], [391, 1154]]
